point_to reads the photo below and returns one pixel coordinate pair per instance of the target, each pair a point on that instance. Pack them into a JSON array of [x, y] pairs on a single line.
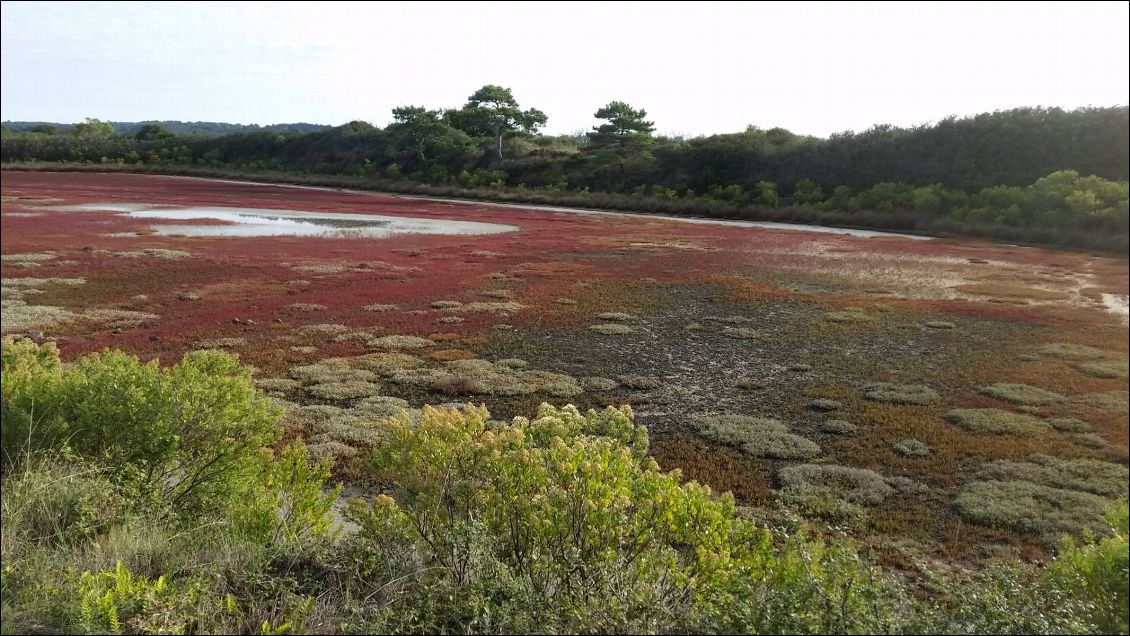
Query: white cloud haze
[[698, 68]]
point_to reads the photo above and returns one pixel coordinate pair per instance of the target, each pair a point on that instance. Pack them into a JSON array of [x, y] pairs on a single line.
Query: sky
[[696, 67]]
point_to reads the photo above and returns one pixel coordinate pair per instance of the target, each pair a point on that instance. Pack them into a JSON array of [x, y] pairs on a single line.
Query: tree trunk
[[500, 145]]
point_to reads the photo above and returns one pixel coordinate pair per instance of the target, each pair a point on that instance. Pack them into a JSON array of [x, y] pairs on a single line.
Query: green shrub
[[190, 436], [564, 524], [290, 502], [1084, 590], [30, 376], [1095, 574]]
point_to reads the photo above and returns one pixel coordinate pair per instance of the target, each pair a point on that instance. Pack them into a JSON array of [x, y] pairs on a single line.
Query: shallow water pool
[[247, 222]]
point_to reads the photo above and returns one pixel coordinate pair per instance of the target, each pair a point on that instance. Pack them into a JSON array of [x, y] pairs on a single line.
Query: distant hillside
[[184, 127]]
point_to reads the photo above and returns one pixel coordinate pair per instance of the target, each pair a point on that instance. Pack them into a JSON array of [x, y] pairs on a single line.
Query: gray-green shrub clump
[[1030, 507], [757, 436], [997, 421]]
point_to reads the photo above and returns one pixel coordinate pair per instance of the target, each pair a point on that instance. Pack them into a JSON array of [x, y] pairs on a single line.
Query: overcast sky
[[697, 68]]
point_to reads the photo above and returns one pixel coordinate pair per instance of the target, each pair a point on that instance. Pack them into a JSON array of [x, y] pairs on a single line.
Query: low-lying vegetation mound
[[846, 316], [1085, 475], [1030, 507], [399, 342], [1114, 402], [1114, 369], [1069, 425], [473, 376], [611, 329], [857, 485], [757, 436], [1021, 394], [838, 427], [901, 393], [1074, 352], [911, 447], [997, 421]]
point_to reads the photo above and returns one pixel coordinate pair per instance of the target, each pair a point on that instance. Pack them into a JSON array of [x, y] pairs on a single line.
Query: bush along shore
[[147, 499]]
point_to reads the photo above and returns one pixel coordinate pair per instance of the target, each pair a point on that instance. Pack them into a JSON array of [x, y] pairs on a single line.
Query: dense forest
[[1031, 174]]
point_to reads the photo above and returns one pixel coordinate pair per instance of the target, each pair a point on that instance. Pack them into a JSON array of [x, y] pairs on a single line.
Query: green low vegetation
[[142, 499], [1056, 177]]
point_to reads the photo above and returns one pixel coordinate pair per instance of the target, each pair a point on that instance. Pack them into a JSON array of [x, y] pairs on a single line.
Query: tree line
[[1038, 173]]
